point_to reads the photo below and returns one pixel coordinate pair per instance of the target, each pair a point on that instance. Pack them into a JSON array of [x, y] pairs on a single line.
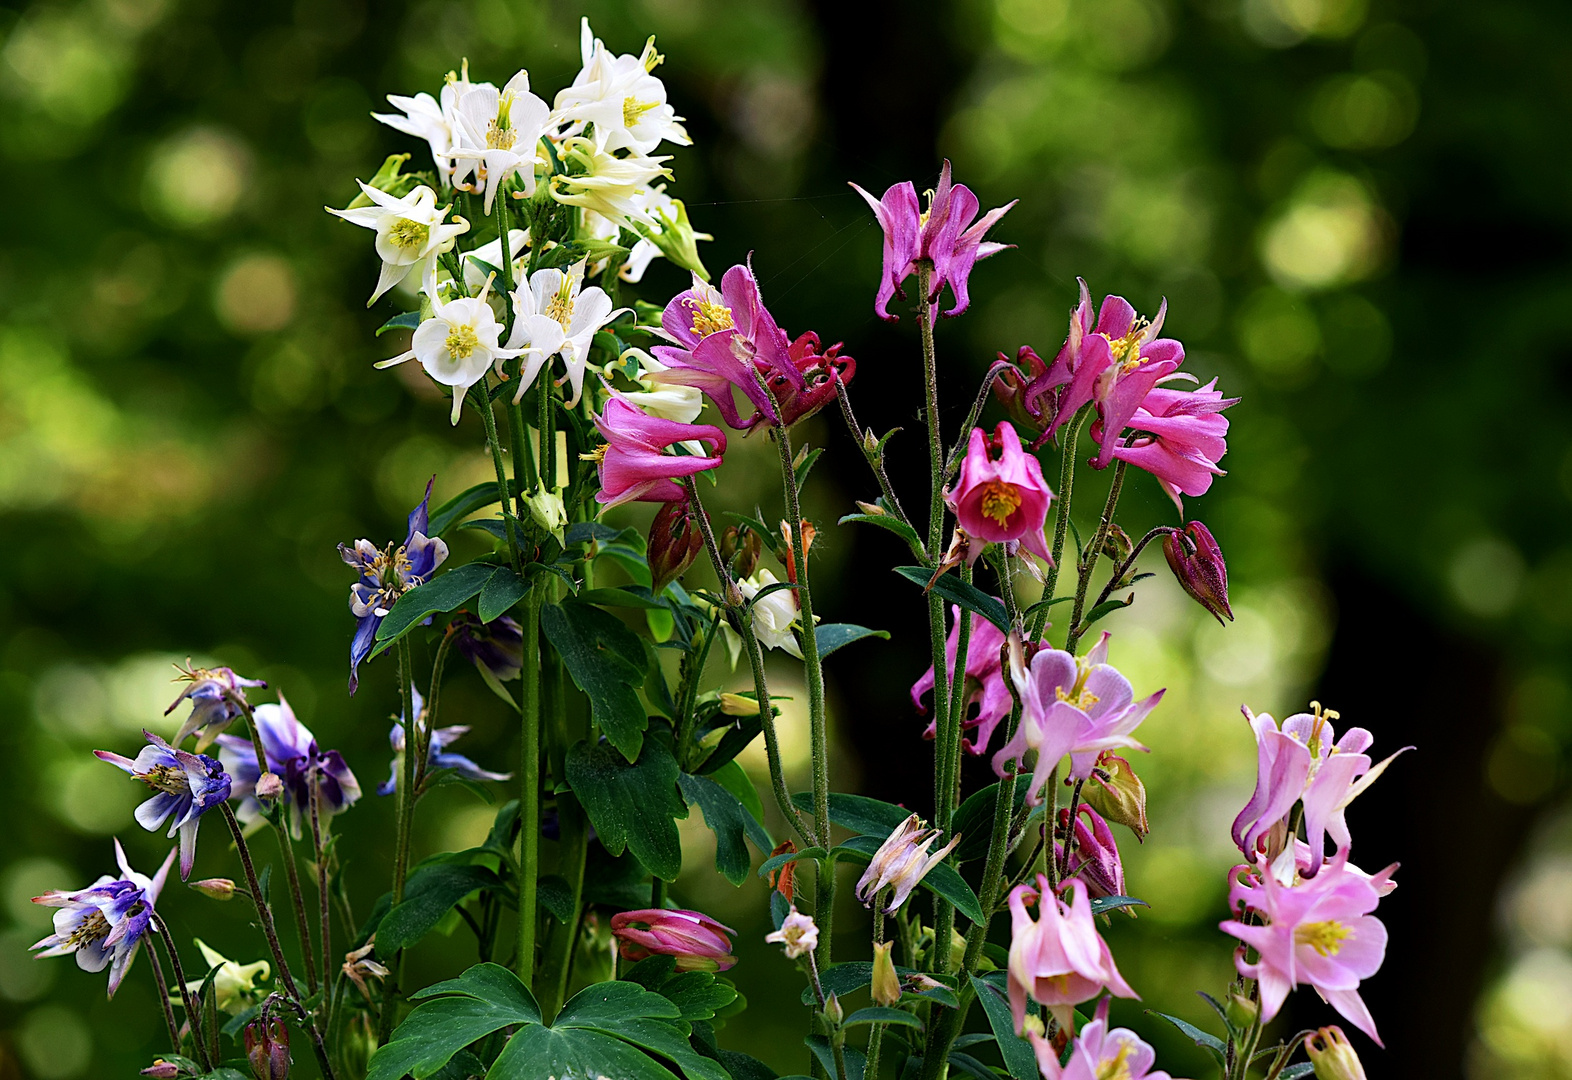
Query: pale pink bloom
[[901, 862], [1099, 1054], [1000, 495], [698, 942], [798, 933], [1058, 960]]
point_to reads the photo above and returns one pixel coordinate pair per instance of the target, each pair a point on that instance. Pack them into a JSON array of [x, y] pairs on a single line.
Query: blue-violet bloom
[[103, 924], [293, 756], [436, 754], [495, 648], [185, 786], [217, 697]]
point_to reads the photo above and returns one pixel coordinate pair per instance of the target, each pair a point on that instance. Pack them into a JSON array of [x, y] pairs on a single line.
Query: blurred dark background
[[1359, 211]]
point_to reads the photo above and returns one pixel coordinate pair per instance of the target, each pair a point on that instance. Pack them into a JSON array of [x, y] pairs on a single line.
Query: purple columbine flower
[[217, 696], [103, 924], [385, 575], [436, 755], [293, 756], [185, 786], [495, 648]]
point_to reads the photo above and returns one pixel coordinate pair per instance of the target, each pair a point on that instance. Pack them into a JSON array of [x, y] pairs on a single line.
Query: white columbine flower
[[410, 231], [458, 344], [491, 255], [427, 119], [554, 314], [621, 98], [497, 135], [613, 187], [773, 615]]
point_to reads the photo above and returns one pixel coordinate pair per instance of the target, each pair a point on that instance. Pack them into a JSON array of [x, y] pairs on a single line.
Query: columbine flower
[[1333, 1056], [235, 985], [773, 615], [1076, 705], [217, 698], [620, 97], [485, 260], [809, 383], [1099, 1054], [1059, 959], [437, 756], [1317, 932], [614, 187], [1178, 437], [886, 985], [632, 465], [943, 235], [719, 333], [103, 924], [385, 575], [425, 118], [1198, 566], [675, 541], [1000, 495], [551, 316], [410, 231], [292, 756], [267, 1048], [186, 786], [495, 648], [698, 942], [1301, 761], [496, 135], [984, 673], [358, 967], [458, 344], [797, 933], [1095, 859], [901, 862]]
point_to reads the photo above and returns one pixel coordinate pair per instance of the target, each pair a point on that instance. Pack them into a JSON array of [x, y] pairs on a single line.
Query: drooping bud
[[675, 541], [740, 548], [269, 786], [696, 941], [738, 705], [901, 862], [1241, 1011], [219, 888], [547, 510], [1009, 389], [267, 1048], [833, 1011], [162, 1070], [1333, 1056], [1117, 545], [1197, 563], [886, 985], [1095, 857], [1118, 794], [677, 239]]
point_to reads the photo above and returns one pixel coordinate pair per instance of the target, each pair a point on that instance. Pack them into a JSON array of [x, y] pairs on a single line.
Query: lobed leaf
[[633, 806], [607, 662]]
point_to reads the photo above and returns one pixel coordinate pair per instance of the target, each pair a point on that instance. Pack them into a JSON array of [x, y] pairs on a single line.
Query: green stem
[[406, 786], [944, 814], [876, 1035], [297, 898], [197, 1042], [529, 788], [324, 896], [162, 987], [1090, 556], [482, 398], [1062, 520], [875, 459]]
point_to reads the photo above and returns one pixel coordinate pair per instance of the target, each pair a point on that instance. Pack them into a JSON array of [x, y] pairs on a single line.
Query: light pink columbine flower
[[1100, 1053], [1178, 437], [1076, 705], [698, 942], [1059, 959], [1000, 495], [901, 862], [986, 686], [632, 463], [944, 236], [1301, 761], [1095, 859], [1315, 932], [798, 934]]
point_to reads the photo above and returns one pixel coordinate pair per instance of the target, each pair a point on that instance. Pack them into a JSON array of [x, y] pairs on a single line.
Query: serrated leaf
[[956, 591], [607, 662], [633, 806], [833, 636], [1019, 1059], [730, 821], [446, 592], [486, 998], [943, 879]]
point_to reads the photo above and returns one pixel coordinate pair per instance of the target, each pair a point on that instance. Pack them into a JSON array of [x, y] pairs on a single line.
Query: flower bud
[[162, 1070], [677, 239], [886, 986], [267, 1048], [738, 705], [1010, 388], [1118, 794], [1096, 856], [740, 550], [1117, 545], [675, 541], [1241, 1011], [698, 942], [1333, 1056], [548, 511], [269, 786], [1197, 562], [219, 888], [833, 1011]]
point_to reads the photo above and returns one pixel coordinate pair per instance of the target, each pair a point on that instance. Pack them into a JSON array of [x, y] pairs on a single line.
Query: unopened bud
[[1117, 545], [162, 1070], [1118, 794], [269, 786], [738, 705], [872, 509], [1013, 389], [1241, 1012], [1197, 563], [219, 888], [675, 541], [1333, 1055], [833, 1011], [677, 239], [870, 441], [886, 986], [740, 549], [267, 1048]]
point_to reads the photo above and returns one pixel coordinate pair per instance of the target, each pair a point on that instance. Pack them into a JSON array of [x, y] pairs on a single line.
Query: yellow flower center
[[633, 109], [1325, 938], [1127, 350], [999, 501], [409, 234], [710, 317], [1116, 1067], [1078, 695], [461, 342], [94, 928], [597, 455], [166, 778]]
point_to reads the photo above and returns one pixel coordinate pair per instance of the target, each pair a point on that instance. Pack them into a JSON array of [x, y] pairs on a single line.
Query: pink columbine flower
[[1178, 436], [1058, 959], [632, 464], [1099, 1054], [986, 688], [1000, 495], [1095, 859], [799, 934], [944, 236], [698, 942], [1301, 761], [1315, 932], [1076, 705]]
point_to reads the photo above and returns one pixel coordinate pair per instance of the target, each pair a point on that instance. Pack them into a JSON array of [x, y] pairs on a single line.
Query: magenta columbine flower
[[385, 575], [698, 942], [1315, 932], [986, 688], [1099, 1053], [217, 696], [1198, 566], [944, 235], [185, 787], [1058, 959], [293, 757], [901, 862], [1000, 495], [633, 466], [1300, 761], [1076, 705], [103, 924], [1095, 859], [1176, 435], [437, 756]]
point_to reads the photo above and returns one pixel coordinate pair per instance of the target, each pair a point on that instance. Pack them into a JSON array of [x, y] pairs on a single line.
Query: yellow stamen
[[1116, 1067], [1322, 716], [1325, 938], [461, 342], [633, 108], [409, 234], [597, 455], [999, 501], [166, 778], [94, 928], [560, 306], [1078, 695], [709, 317]]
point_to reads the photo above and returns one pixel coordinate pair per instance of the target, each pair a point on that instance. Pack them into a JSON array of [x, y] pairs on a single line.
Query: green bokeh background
[[1359, 211]]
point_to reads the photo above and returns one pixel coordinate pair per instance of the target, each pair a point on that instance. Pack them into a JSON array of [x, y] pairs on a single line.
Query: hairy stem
[[192, 1018], [1061, 521], [875, 459], [1090, 556], [324, 897], [482, 397], [163, 997], [297, 898], [529, 788]]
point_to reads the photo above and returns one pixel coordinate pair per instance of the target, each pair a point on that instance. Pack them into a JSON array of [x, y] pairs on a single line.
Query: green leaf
[[856, 1060], [943, 879], [1107, 607], [556, 896], [443, 593], [407, 320], [647, 1020], [489, 999], [1201, 1038], [833, 636], [607, 662], [632, 806], [974, 820], [1297, 1072], [501, 591], [537, 1052], [893, 524], [858, 813], [729, 820], [734, 742], [464, 504], [1111, 903], [631, 596], [807, 461], [878, 1015], [431, 893], [735, 779], [740, 1066], [698, 995], [775, 862], [956, 591], [1019, 1059]]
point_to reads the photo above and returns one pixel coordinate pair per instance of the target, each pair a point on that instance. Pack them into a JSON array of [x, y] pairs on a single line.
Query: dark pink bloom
[[1059, 959], [1000, 495], [697, 941], [1317, 932], [944, 236], [1095, 859], [632, 465], [1179, 436], [986, 688], [1099, 1054], [810, 385], [1198, 566]]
